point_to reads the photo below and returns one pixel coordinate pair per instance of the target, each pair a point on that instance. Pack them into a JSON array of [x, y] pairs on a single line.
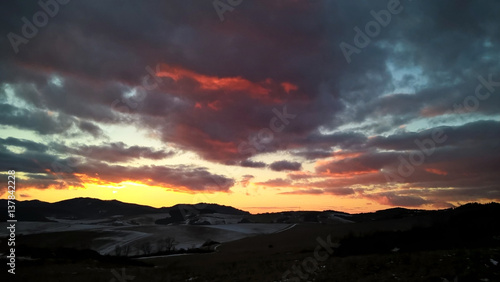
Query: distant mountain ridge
[[91, 208]]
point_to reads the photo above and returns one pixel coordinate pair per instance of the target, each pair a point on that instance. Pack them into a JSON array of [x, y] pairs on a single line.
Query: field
[[393, 245]]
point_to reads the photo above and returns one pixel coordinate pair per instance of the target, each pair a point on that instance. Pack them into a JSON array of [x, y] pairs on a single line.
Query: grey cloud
[[285, 165], [249, 163], [27, 144]]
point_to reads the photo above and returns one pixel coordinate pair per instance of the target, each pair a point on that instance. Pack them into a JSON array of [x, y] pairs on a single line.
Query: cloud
[[114, 152], [44, 170], [91, 128], [178, 178], [285, 165], [249, 163], [340, 191], [313, 154], [180, 76], [26, 144], [304, 192], [246, 180], [39, 121], [393, 199], [278, 182]]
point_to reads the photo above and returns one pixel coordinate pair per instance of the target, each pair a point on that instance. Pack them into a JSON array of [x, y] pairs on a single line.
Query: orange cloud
[[349, 174], [337, 156], [260, 90], [212, 82], [89, 180]]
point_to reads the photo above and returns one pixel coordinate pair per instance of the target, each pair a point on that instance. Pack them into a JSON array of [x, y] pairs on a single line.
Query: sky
[[265, 106]]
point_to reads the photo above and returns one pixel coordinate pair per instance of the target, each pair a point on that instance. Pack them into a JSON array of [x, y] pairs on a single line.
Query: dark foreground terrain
[[461, 244]]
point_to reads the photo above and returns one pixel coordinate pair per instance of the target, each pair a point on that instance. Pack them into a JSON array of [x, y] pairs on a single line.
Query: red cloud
[[261, 91], [199, 139], [287, 86]]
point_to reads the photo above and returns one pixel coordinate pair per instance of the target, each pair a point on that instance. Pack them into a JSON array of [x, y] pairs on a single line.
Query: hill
[[90, 208]]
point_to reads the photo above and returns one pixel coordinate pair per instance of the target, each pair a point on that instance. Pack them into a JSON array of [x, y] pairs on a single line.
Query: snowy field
[[252, 228], [119, 231], [35, 227]]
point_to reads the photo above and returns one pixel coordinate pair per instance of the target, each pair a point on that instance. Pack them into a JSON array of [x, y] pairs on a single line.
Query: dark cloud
[[178, 178], [27, 144], [249, 163], [393, 199], [482, 131], [91, 128], [29, 161], [45, 122], [315, 191], [114, 152], [220, 89], [39, 121], [344, 140], [460, 168], [44, 171], [313, 154], [285, 165]]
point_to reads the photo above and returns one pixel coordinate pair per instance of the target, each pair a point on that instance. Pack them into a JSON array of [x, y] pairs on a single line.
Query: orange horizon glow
[[135, 192], [158, 197]]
